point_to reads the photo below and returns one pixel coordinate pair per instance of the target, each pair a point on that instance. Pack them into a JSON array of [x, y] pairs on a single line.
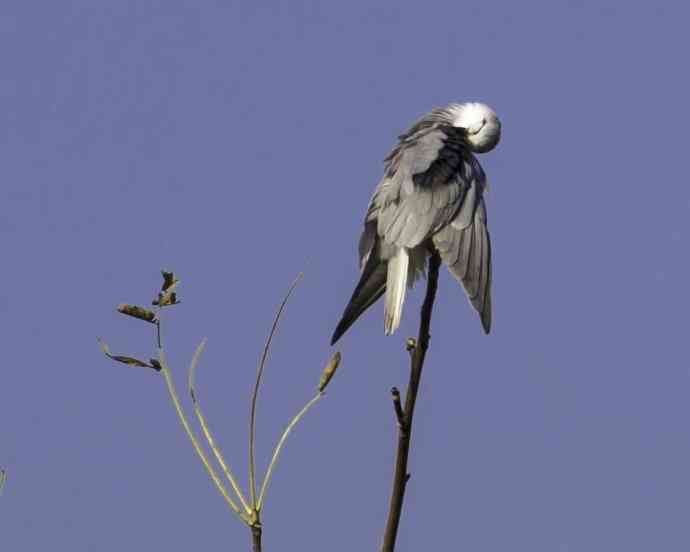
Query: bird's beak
[[475, 128]]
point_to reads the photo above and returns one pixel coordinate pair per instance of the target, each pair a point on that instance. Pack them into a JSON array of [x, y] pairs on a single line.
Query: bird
[[429, 200]]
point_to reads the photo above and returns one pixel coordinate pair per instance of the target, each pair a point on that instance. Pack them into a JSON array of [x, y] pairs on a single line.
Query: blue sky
[[238, 143]]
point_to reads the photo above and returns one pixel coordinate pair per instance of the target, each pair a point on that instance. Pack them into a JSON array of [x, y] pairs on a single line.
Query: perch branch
[[418, 353]]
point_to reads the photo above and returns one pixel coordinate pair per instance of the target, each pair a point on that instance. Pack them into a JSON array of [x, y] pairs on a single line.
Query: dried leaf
[[131, 361], [329, 371], [167, 296], [137, 312], [169, 280], [124, 359], [166, 299]]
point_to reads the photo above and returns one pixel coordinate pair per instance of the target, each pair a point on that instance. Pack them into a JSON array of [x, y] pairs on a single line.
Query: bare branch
[[418, 353]]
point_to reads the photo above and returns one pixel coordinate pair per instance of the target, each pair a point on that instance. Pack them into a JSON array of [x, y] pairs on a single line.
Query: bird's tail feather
[[372, 284], [396, 287]]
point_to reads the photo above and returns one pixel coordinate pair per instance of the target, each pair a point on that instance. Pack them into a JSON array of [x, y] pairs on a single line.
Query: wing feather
[[467, 253], [423, 191]]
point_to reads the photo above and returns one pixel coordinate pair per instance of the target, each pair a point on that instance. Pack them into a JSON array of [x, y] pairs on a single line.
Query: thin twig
[[207, 432], [255, 393], [405, 429], [279, 446]]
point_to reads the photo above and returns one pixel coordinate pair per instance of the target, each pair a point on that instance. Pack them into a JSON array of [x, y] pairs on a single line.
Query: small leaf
[[329, 371], [137, 312], [131, 361], [124, 359], [155, 364]]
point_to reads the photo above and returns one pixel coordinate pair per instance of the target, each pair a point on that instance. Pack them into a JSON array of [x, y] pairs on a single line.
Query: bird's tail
[[372, 284], [395, 290]]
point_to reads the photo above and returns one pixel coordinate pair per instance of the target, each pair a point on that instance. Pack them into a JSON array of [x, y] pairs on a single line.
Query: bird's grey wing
[[420, 192], [465, 247]]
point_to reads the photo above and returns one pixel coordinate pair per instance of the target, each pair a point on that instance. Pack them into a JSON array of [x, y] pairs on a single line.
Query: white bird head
[[481, 123]]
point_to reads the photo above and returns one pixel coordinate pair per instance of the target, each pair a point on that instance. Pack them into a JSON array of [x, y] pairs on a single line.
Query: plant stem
[[279, 447], [405, 423], [195, 443], [207, 432], [256, 535], [255, 394]]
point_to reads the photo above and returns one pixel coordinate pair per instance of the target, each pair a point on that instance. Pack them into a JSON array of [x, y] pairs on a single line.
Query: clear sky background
[[238, 143]]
